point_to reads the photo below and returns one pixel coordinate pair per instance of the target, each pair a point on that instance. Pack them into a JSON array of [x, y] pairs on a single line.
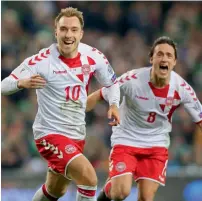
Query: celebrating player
[[140, 143], [61, 74]]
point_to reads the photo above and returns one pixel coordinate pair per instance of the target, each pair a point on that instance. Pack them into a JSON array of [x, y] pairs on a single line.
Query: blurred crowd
[[124, 32]]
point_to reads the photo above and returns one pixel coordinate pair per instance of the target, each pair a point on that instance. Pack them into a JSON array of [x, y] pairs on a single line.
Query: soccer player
[[140, 143], [61, 74]]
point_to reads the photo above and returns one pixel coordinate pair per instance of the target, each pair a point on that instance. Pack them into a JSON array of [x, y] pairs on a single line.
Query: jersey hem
[[37, 138], [198, 122], [140, 146]]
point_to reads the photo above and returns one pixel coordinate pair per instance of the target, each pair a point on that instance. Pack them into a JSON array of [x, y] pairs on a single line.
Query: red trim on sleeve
[[198, 122], [14, 76], [112, 84], [101, 95]]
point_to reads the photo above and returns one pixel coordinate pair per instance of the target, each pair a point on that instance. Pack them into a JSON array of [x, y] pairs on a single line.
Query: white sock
[[86, 193], [43, 195]]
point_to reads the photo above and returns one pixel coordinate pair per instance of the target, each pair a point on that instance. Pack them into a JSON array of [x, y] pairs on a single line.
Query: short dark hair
[[70, 12], [163, 40]]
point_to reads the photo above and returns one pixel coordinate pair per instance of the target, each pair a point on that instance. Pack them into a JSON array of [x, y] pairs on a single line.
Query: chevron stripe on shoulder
[[39, 57], [127, 77], [189, 90]]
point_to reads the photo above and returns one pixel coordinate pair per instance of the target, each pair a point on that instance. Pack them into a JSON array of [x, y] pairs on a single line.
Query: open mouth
[[163, 67], [68, 42]]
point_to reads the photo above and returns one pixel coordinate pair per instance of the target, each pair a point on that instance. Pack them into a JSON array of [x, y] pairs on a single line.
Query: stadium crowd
[[123, 31]]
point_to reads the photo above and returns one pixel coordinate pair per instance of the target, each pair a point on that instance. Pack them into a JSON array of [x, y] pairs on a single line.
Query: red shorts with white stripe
[[59, 151], [143, 163]]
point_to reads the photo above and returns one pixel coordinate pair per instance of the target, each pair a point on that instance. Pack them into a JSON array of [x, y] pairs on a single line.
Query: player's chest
[[147, 100], [62, 74]]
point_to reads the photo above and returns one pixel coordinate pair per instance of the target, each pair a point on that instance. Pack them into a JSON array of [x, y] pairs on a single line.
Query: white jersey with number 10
[[62, 103]]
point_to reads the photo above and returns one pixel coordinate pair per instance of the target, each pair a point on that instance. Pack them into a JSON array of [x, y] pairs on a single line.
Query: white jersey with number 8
[[146, 112]]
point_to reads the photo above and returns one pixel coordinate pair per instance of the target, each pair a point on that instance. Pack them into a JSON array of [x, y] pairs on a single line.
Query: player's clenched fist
[[113, 114], [34, 82]]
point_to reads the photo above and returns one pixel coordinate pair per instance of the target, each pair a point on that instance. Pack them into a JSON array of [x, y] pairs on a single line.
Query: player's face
[[68, 34], [163, 60]]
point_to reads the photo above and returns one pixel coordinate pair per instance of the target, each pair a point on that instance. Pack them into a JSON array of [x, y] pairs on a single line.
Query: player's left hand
[[113, 114]]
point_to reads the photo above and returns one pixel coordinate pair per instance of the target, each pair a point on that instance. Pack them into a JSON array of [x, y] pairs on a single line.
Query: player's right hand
[[34, 82], [113, 115]]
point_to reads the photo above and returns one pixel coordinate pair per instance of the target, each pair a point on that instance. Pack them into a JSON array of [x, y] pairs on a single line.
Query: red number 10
[[73, 92]]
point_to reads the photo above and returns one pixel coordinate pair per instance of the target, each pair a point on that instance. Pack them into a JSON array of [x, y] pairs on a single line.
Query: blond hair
[[70, 12]]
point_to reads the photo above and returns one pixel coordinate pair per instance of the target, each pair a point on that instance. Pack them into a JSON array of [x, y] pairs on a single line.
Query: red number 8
[[151, 118]]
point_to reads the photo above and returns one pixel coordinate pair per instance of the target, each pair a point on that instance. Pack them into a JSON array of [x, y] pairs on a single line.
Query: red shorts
[[143, 163], [59, 151]]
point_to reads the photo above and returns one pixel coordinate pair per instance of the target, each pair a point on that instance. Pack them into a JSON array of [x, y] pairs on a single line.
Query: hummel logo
[[60, 72], [141, 97]]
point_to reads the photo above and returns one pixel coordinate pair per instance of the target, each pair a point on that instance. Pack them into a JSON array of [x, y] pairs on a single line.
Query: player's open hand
[[34, 82], [113, 115]]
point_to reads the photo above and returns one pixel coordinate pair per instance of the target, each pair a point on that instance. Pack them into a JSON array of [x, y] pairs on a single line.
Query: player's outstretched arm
[[11, 85], [113, 115], [113, 112], [30, 74], [92, 100], [191, 103]]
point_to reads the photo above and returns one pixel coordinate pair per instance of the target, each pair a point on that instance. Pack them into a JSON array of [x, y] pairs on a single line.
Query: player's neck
[[69, 55], [158, 82]]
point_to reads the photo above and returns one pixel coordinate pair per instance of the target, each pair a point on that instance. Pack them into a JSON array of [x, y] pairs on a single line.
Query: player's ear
[[81, 36], [55, 33], [151, 60], [175, 62]]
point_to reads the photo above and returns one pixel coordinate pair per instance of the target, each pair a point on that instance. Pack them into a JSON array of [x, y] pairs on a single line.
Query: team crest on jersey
[[169, 101], [120, 166], [85, 69], [70, 149]]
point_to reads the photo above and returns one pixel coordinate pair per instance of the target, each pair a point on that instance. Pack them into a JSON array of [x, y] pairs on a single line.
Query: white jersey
[[146, 112], [62, 103]]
